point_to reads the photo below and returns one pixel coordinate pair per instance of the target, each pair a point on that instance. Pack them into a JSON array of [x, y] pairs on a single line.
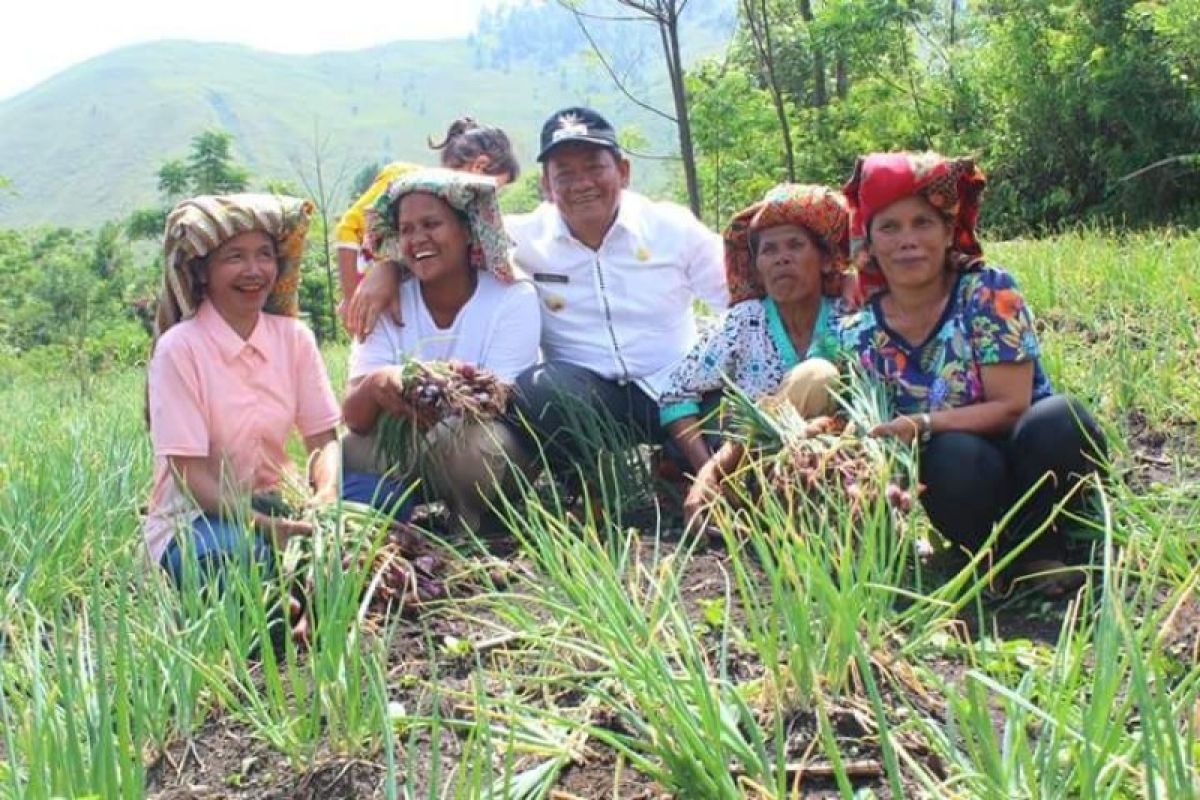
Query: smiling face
[[240, 274], [909, 239], [433, 239], [585, 181], [790, 263]]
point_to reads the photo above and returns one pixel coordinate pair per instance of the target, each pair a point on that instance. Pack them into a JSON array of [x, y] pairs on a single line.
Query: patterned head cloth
[[818, 209], [197, 227], [951, 185], [470, 194]]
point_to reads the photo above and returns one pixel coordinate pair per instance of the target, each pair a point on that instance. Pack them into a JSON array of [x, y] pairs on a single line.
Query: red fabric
[[952, 186]]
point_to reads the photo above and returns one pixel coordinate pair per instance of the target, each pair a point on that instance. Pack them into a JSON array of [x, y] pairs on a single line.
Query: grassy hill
[[85, 145]]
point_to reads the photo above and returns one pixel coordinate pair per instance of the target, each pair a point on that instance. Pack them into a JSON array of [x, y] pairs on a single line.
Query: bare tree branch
[[611, 73], [1187, 158], [570, 6]]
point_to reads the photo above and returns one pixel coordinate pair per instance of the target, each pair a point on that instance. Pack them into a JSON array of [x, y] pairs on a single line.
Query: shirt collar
[[229, 344]]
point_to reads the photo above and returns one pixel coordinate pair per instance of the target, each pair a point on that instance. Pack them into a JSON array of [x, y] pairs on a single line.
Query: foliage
[[523, 195], [746, 670], [73, 297], [1075, 109]]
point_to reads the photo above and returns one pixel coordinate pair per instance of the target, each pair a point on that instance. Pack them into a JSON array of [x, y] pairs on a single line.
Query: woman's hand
[[387, 390], [905, 428], [708, 484], [699, 496], [377, 292], [281, 529]]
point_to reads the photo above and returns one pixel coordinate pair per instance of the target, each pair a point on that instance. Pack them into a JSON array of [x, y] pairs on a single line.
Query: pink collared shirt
[[212, 393]]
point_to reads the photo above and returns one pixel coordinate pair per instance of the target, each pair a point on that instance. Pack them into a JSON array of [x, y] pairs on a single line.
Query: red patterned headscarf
[[818, 209], [951, 185]]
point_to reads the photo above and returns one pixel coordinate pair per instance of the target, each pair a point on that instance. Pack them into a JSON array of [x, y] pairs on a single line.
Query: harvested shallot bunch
[[436, 391], [827, 458], [390, 567]]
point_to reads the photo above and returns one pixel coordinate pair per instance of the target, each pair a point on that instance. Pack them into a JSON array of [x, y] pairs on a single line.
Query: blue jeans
[[217, 543], [378, 491]]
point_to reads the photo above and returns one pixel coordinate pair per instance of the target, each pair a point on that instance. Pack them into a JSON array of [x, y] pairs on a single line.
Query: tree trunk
[[820, 93], [842, 77], [760, 32], [669, 29]]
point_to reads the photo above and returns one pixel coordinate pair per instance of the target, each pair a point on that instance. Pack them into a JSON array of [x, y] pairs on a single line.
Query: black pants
[[972, 481], [572, 412]]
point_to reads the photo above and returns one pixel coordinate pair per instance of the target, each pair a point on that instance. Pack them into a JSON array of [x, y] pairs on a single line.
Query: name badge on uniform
[[550, 277]]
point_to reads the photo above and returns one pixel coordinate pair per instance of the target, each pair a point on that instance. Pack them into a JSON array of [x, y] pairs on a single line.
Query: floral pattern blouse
[[750, 346], [985, 322]]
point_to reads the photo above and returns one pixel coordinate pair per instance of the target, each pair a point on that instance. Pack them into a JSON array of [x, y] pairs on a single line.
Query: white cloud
[[43, 37]]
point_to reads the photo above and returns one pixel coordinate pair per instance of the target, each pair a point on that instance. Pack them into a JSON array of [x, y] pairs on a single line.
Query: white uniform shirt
[[624, 311], [498, 329]]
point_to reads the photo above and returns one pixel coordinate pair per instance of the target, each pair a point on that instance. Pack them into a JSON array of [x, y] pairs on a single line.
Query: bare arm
[[374, 393], [200, 477], [379, 290], [686, 433], [348, 278], [1007, 393], [708, 484]]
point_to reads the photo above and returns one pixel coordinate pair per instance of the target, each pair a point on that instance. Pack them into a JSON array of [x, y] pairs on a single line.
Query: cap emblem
[[569, 125]]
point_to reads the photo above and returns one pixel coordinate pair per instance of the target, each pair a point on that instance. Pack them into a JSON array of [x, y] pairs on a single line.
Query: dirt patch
[[1161, 455], [223, 760]]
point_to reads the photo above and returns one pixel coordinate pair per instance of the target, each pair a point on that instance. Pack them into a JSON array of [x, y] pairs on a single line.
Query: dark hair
[[467, 140]]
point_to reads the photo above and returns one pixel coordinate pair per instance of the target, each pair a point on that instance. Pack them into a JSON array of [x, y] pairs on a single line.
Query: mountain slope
[[85, 145]]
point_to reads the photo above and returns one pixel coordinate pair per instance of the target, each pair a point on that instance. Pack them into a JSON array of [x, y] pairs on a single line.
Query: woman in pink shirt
[[228, 383]]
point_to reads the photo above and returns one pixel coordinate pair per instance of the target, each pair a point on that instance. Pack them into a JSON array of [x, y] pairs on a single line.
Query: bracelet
[[924, 428]]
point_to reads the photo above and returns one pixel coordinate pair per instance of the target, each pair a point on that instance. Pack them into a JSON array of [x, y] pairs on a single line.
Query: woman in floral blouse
[[953, 339]]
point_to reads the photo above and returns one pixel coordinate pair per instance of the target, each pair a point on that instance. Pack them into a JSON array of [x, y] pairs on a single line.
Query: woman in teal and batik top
[[785, 257]]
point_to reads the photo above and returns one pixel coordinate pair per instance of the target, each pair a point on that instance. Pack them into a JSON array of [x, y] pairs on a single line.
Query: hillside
[[85, 145]]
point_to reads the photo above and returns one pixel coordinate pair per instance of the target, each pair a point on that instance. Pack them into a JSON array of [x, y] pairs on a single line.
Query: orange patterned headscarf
[[951, 185], [818, 209]]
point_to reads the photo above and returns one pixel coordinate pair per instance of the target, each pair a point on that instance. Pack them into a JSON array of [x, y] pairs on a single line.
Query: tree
[[173, 179], [326, 191], [208, 169], [758, 23], [665, 16], [210, 166]]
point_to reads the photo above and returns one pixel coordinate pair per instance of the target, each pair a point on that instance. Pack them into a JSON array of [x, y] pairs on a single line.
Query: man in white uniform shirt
[[617, 275]]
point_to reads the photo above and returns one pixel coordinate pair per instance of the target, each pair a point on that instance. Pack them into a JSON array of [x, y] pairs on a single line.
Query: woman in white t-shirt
[[466, 305]]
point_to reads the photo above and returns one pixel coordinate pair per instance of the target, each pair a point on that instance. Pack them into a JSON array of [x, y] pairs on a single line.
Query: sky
[[44, 37]]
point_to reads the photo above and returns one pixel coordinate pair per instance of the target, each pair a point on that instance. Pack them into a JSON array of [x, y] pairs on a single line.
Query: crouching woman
[[465, 306], [785, 260], [952, 338], [232, 374]]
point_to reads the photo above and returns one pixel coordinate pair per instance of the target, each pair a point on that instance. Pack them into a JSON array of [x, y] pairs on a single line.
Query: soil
[[224, 760], [1164, 455]]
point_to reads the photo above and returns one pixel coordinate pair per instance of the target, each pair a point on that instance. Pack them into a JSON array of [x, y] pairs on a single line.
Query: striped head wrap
[[198, 226]]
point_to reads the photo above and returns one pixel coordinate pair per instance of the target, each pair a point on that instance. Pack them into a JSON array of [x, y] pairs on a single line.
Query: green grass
[[711, 676]]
